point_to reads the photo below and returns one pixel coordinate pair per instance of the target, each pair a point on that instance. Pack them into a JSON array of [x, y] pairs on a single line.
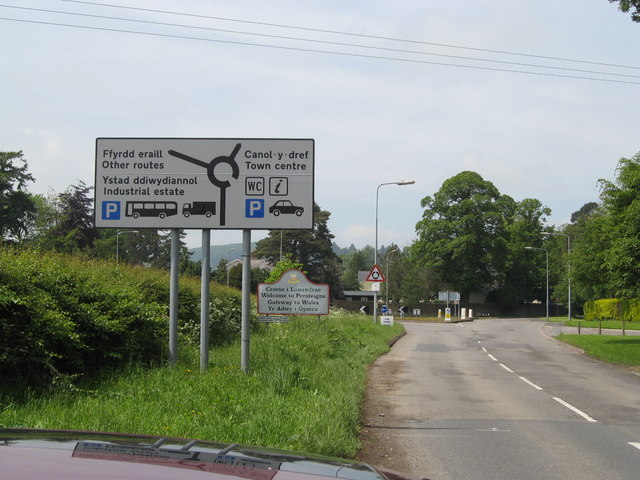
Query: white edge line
[[506, 368], [635, 444], [492, 357], [525, 380], [576, 410]]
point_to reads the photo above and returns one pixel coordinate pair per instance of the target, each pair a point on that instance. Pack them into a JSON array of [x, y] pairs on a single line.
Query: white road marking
[[484, 350], [531, 383], [492, 357], [635, 444], [506, 368], [574, 409]]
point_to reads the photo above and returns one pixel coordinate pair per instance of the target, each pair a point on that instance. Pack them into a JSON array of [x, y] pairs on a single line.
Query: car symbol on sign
[[285, 206]]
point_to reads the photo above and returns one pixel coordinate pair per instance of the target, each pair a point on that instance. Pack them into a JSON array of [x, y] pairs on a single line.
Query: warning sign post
[[375, 275]]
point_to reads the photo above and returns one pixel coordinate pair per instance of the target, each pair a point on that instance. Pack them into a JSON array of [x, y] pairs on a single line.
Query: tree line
[[471, 238], [475, 240], [64, 222]]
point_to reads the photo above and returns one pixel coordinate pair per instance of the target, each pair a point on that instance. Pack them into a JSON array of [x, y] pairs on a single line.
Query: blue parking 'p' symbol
[[111, 210], [254, 208]]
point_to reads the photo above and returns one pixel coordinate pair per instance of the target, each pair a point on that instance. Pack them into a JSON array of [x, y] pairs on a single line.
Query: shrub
[[61, 316], [627, 310]]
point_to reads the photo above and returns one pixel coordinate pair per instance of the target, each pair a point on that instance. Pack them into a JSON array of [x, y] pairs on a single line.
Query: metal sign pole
[[205, 277], [173, 297], [246, 300]]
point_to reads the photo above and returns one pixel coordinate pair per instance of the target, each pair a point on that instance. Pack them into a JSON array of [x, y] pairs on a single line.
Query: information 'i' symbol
[[211, 166], [277, 187]]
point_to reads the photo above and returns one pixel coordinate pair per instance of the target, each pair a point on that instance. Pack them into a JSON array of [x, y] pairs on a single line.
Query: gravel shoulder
[[380, 401]]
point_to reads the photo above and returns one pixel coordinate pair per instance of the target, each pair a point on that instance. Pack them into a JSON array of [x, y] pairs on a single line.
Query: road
[[499, 399]]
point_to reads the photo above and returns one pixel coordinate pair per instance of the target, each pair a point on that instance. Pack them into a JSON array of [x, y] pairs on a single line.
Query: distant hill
[[218, 252]]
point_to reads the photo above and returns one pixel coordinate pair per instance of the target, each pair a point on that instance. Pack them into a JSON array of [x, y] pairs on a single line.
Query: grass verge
[[303, 393], [613, 324], [613, 349]]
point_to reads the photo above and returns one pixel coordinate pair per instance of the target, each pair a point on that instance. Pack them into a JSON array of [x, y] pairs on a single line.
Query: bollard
[[463, 314]]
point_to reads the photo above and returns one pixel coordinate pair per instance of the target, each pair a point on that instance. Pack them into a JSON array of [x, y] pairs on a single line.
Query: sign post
[[205, 183], [375, 275]]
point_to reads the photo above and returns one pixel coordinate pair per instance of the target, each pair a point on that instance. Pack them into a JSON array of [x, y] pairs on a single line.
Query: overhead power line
[[310, 50], [351, 34], [616, 77], [325, 42]]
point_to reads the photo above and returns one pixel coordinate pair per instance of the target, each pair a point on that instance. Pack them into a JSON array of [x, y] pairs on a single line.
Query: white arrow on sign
[[363, 309]]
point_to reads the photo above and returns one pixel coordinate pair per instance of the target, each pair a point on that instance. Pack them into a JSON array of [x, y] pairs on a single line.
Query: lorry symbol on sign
[[207, 209], [211, 174]]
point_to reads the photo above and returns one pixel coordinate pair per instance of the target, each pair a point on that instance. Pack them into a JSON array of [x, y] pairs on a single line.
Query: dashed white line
[[525, 380], [574, 409], [484, 350], [635, 444], [506, 368], [492, 357]]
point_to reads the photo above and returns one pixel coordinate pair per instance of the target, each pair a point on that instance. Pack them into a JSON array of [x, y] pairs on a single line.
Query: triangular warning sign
[[375, 275]]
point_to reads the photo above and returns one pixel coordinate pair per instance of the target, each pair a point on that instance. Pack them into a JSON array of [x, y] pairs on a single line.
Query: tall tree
[[76, 222], [461, 236], [419, 283], [352, 263], [17, 206], [65, 221], [629, 5], [592, 237], [524, 275], [311, 248], [621, 200]]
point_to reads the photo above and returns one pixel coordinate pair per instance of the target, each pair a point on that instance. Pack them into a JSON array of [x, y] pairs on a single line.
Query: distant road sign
[[293, 294], [451, 296], [375, 275], [195, 183]]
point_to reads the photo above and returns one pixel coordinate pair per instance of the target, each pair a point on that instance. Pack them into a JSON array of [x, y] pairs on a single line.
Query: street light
[[375, 252], [568, 265], [228, 269], [118, 242], [547, 252]]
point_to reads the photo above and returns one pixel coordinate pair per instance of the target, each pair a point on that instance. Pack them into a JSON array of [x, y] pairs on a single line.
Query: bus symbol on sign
[[151, 209]]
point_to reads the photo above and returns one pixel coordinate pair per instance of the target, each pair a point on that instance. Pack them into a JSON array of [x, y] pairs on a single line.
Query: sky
[[390, 90]]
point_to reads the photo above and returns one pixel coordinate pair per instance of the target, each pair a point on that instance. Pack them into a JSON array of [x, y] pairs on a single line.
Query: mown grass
[[613, 349], [303, 392]]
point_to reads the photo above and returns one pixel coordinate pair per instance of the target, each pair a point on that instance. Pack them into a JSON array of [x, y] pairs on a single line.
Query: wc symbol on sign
[[278, 186]]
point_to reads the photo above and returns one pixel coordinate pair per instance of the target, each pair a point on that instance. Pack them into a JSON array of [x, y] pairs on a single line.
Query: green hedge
[[627, 310], [60, 315]]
